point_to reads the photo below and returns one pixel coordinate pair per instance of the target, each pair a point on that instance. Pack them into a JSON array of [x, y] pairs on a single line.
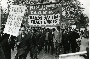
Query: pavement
[[41, 55], [84, 44]]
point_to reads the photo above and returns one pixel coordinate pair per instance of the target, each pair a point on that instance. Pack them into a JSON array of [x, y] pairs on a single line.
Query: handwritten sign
[[14, 20], [13, 25]]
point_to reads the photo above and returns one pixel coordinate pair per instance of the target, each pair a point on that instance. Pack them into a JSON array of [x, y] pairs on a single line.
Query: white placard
[[14, 20], [13, 25]]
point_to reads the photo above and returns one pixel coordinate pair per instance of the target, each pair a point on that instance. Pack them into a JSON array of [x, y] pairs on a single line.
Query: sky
[[86, 5]]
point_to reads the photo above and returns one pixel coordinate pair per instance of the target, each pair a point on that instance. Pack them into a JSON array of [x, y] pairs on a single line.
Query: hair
[[54, 29]]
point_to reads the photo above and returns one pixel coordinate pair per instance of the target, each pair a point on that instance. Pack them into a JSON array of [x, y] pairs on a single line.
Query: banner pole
[[0, 19]]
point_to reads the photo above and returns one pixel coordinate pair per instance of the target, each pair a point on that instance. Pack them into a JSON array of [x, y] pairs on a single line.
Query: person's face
[[42, 30], [66, 31], [23, 31]]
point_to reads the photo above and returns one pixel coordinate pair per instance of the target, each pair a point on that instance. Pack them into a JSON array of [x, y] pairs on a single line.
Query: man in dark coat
[[23, 47], [34, 44], [31, 44], [2, 56], [42, 40], [50, 39], [12, 42], [74, 35], [46, 41], [6, 46], [65, 41]]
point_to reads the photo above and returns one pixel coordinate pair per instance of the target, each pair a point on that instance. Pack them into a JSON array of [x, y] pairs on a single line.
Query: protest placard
[[14, 20], [13, 25]]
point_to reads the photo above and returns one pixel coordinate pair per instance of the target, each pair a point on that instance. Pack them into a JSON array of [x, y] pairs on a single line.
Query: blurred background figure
[[47, 40]]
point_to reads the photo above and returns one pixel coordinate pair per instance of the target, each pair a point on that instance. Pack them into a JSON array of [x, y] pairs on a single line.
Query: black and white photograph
[[44, 29]]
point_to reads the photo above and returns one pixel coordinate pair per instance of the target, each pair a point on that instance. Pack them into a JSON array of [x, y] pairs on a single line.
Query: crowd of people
[[33, 41]]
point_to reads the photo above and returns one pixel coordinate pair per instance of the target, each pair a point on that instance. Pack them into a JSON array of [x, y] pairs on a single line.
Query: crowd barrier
[[72, 55]]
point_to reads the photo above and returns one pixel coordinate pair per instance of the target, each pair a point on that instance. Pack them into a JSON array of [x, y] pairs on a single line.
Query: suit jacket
[[74, 36], [50, 37], [2, 56], [4, 40], [24, 45], [25, 41], [6, 46]]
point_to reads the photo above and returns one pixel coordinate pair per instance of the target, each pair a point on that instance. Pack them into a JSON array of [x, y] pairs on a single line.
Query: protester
[[66, 42], [12, 43], [20, 38], [46, 41], [5, 44], [50, 38], [74, 35], [2, 56], [34, 44], [33, 41], [57, 41]]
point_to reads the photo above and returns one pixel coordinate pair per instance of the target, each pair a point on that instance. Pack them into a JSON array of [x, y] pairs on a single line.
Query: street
[[43, 55]]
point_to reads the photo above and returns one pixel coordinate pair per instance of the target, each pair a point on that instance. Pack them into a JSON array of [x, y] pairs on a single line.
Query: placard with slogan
[[14, 20]]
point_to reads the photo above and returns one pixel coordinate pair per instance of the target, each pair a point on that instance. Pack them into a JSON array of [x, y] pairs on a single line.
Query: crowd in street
[[33, 41]]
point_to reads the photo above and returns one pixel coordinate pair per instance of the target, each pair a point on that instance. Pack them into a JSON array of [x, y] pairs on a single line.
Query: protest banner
[[43, 20], [44, 15]]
